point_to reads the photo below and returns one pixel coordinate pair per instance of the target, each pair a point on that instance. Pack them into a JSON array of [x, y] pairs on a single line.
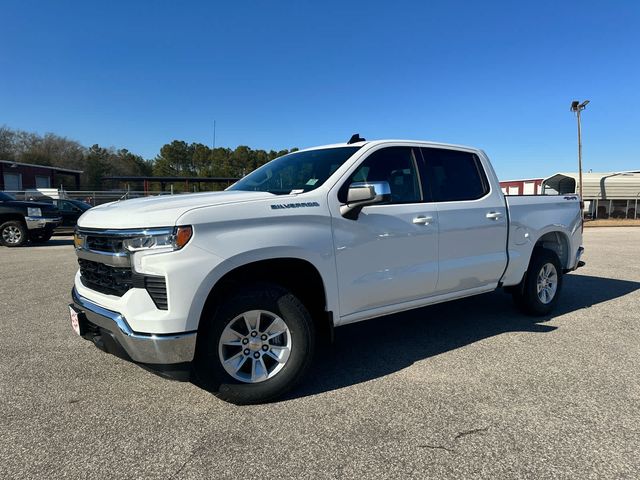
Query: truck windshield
[[5, 197], [297, 172]]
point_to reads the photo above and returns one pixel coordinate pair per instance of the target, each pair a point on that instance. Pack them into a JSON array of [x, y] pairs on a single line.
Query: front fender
[[324, 268]]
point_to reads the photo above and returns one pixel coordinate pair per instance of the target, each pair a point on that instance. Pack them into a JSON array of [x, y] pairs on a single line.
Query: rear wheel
[[256, 346], [13, 233], [540, 288]]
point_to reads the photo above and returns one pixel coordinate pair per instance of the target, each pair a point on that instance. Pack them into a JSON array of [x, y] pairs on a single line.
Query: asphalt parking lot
[[470, 389]]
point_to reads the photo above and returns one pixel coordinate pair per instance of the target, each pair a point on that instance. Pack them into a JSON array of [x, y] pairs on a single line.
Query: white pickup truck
[[237, 287]]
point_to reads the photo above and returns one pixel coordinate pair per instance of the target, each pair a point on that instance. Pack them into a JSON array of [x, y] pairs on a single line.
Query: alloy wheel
[[547, 283], [255, 346], [11, 235]]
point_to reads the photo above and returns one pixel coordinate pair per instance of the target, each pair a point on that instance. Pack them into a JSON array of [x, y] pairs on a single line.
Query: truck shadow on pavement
[[379, 347], [55, 242]]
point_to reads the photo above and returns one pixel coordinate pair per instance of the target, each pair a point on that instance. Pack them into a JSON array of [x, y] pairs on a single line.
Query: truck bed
[[532, 217]]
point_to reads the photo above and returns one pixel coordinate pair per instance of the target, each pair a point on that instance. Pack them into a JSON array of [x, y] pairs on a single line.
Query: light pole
[[577, 107]]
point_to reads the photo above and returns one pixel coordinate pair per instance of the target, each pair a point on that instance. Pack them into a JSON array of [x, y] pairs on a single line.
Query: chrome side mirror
[[362, 194]]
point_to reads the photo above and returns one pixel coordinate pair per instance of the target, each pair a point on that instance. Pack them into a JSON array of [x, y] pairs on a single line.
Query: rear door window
[[453, 175]]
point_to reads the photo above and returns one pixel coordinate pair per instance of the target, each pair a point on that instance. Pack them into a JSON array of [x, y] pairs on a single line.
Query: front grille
[[117, 281], [105, 278], [104, 244]]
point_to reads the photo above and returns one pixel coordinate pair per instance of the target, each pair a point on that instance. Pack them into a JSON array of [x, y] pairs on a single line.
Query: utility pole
[[214, 134], [577, 107]]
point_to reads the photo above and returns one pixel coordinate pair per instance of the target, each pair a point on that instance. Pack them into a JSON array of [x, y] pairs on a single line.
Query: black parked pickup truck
[[24, 221]]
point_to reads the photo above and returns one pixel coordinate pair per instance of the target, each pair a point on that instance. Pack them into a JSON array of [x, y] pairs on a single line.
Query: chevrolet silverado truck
[[236, 288], [24, 221]]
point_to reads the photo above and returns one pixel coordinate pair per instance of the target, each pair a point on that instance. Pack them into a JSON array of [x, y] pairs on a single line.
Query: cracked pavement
[[470, 389]]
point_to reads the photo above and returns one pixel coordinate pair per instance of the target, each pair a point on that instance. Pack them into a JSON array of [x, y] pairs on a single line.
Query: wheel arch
[[556, 241], [552, 238], [298, 275], [6, 217]]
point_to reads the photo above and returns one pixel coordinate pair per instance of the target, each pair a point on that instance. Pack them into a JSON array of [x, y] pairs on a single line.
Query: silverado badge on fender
[[277, 206]]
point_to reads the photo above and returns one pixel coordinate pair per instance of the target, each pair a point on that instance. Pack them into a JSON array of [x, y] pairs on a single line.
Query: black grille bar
[[157, 289], [104, 244], [105, 278], [117, 281]]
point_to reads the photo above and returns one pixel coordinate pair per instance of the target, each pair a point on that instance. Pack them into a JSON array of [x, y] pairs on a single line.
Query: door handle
[[422, 220], [494, 215]]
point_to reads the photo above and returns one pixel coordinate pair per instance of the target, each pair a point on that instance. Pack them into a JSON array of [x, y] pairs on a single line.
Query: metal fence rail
[[92, 197]]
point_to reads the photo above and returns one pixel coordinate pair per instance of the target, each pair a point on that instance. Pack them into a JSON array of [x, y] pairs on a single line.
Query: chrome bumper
[[141, 347], [34, 223]]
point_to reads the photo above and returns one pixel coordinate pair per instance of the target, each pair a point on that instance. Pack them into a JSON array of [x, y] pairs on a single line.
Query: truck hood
[[159, 211]]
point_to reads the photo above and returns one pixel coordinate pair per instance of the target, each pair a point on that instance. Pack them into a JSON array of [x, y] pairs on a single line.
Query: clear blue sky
[[499, 75]]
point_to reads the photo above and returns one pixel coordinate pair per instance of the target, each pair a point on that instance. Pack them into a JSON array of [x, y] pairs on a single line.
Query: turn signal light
[[182, 236], [78, 240]]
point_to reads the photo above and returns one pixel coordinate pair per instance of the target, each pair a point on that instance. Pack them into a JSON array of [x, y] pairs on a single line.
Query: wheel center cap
[[255, 343]]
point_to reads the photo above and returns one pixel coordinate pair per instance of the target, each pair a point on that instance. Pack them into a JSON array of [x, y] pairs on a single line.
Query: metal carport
[[613, 194]]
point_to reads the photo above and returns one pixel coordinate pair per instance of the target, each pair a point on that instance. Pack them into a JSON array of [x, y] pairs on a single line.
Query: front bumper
[[38, 223], [145, 348]]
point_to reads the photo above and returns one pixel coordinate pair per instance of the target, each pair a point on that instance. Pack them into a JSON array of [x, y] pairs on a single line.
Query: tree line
[[175, 159]]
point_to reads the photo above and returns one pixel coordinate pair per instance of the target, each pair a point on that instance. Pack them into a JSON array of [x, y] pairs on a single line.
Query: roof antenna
[[355, 138]]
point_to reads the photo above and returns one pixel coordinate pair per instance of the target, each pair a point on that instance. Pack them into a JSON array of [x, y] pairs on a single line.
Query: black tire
[[526, 295], [13, 233], [208, 367], [41, 238]]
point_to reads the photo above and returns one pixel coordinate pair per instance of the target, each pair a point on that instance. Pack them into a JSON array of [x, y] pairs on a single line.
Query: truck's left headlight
[[173, 240], [34, 212]]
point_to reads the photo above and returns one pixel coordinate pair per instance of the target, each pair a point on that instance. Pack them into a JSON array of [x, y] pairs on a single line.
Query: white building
[[606, 195]]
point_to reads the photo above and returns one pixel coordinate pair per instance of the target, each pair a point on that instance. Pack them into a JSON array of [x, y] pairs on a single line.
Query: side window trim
[[416, 166], [486, 186], [423, 173]]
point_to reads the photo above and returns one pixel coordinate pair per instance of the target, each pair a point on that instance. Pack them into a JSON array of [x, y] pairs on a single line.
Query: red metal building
[[529, 186], [16, 176]]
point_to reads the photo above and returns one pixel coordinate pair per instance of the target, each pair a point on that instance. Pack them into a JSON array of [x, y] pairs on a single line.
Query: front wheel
[[13, 233], [539, 291], [256, 346]]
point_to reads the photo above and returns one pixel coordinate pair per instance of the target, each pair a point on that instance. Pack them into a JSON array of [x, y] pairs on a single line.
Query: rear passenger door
[[472, 219]]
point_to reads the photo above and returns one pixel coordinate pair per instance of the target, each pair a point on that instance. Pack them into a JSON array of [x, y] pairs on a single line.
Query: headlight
[[173, 240], [34, 212]]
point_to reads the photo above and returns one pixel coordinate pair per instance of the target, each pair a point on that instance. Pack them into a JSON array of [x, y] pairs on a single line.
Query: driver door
[[389, 253]]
